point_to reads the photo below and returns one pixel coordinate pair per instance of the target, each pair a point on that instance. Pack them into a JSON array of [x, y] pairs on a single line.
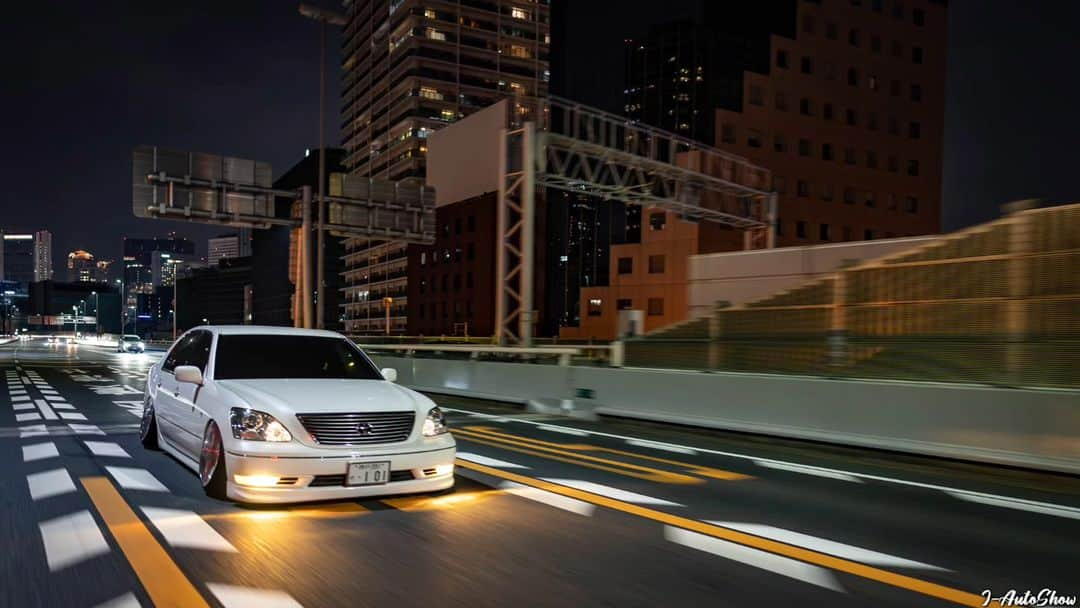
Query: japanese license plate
[[367, 473]]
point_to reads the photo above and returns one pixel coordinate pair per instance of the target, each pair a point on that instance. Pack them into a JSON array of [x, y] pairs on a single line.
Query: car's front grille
[[358, 428], [323, 481]]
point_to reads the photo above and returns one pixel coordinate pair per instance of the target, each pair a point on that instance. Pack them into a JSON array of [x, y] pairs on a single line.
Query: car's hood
[[301, 396]]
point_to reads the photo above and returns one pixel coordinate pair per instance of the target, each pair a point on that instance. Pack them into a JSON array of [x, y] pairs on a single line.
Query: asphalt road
[[547, 511]]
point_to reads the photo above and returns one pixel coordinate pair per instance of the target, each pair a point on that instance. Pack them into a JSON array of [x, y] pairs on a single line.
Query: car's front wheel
[[212, 472], [148, 433]]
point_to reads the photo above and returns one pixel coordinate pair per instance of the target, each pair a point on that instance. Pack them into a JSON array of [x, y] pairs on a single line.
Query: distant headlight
[[142, 345], [254, 425], [435, 423]]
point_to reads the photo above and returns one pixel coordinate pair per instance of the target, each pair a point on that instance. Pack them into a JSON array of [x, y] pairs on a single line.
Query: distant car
[[271, 415], [51, 340], [130, 344]]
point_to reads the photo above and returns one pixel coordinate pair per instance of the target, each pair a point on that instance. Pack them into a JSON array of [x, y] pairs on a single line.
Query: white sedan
[[271, 414]]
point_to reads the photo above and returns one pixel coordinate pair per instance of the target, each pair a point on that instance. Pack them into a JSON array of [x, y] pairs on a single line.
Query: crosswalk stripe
[[785, 566], [22, 406], [610, 492], [62, 406], [136, 479], [32, 430], [233, 596], [50, 483], [823, 545], [72, 416], [128, 600], [187, 530], [86, 429], [22, 397], [71, 539], [46, 411], [27, 416], [106, 448], [39, 451]]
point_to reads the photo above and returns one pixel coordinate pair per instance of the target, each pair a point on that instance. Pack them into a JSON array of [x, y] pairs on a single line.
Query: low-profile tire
[[212, 472], [148, 431]]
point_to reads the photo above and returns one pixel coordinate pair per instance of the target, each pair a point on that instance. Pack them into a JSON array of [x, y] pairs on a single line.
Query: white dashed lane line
[[185, 529], [562, 429], [50, 483], [233, 596], [550, 499], [823, 545], [39, 451], [778, 564], [136, 479], [610, 492], [641, 443], [71, 539], [491, 462], [807, 470]]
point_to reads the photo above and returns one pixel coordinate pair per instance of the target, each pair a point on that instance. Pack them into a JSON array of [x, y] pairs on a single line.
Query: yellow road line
[[603, 464], [163, 580], [811, 557], [585, 447]]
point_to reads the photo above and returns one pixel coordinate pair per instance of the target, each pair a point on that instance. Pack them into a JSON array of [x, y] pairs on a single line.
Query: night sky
[[86, 81]]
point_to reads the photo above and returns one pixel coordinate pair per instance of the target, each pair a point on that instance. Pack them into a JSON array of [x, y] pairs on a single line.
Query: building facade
[[410, 68], [224, 246], [17, 258], [43, 266], [81, 267]]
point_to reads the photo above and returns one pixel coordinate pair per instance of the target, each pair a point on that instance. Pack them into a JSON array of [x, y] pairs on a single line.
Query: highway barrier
[[1036, 428]]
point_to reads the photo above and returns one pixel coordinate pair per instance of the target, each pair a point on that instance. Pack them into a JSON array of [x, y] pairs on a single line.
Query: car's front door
[[191, 417], [166, 391]]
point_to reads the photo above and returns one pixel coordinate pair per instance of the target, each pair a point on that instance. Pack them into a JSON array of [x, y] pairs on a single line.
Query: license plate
[[367, 473]]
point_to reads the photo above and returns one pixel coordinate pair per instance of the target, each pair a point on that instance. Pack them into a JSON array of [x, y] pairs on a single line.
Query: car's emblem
[[364, 429]]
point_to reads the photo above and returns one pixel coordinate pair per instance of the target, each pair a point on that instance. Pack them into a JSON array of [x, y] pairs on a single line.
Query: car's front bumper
[[306, 468]]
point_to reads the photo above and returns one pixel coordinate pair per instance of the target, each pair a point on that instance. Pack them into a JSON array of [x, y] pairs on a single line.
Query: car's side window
[[199, 355], [181, 353], [170, 359]]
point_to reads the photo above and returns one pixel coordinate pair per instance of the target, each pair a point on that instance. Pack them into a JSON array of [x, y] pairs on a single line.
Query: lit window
[[519, 13], [434, 34], [595, 307], [516, 50], [430, 14], [447, 114], [430, 93]]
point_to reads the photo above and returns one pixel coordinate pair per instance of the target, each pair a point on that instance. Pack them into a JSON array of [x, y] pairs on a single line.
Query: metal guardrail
[[612, 354]]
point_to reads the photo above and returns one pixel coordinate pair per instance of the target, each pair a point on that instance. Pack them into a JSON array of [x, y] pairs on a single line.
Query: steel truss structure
[[565, 145]]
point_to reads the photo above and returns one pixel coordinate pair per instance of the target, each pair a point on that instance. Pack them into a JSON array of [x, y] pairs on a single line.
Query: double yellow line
[[573, 454], [943, 592]]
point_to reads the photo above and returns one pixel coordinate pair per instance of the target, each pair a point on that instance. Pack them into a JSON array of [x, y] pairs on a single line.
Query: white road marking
[[186, 529], [71, 539], [491, 462], [824, 545], [562, 429], [1032, 506], [72, 416], [641, 443], [50, 483], [1036, 507], [86, 429], [106, 448], [32, 430], [233, 596], [806, 470], [779, 564], [136, 479], [46, 411], [22, 406], [548, 498], [54, 399], [610, 492], [39, 451], [27, 416], [62, 406], [23, 397], [128, 600]]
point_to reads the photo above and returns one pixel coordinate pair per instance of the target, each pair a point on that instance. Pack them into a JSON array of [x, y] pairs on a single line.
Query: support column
[[305, 258], [528, 232]]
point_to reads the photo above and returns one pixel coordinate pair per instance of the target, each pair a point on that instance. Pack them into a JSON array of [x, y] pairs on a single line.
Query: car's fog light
[[444, 469], [261, 481]]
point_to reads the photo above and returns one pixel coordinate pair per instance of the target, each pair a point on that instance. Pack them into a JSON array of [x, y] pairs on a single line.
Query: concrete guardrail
[[1029, 428]]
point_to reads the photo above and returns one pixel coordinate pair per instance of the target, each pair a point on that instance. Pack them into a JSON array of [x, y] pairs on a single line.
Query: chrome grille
[[359, 428]]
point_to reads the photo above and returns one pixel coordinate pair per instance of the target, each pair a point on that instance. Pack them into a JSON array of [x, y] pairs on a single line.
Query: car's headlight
[[254, 425], [435, 423], [141, 345]]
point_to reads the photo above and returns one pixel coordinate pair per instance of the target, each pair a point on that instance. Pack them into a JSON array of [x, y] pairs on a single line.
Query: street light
[[97, 314], [323, 16], [75, 320], [387, 301]]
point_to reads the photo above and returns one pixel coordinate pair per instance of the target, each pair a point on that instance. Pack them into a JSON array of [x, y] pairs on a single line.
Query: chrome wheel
[[210, 455]]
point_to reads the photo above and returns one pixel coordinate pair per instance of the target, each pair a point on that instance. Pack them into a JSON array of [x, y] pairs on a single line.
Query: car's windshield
[[282, 356], [131, 338]]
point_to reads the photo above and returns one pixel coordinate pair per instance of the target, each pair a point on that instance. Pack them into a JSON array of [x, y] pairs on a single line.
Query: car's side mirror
[[389, 374], [189, 373]]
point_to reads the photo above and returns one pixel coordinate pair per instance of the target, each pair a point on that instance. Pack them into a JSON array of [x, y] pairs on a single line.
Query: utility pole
[[324, 17]]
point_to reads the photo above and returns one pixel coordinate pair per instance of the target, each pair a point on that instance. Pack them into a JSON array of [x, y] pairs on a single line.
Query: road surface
[[547, 511]]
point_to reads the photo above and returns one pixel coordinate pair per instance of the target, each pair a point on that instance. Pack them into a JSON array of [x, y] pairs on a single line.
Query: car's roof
[[267, 330]]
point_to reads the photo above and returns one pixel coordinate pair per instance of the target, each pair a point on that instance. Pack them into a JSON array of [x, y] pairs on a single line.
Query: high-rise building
[[224, 246], [81, 267], [844, 103], [410, 68], [147, 264], [43, 268], [17, 258]]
